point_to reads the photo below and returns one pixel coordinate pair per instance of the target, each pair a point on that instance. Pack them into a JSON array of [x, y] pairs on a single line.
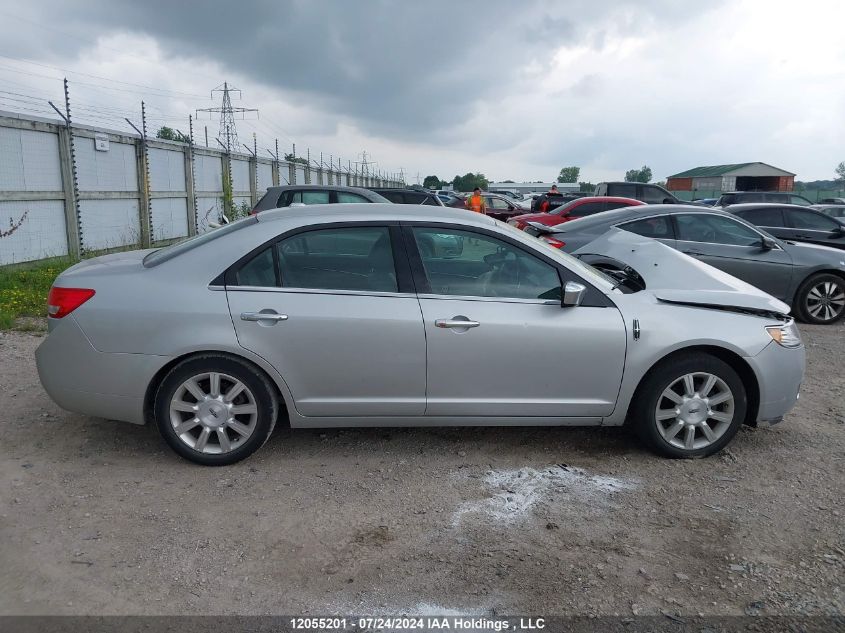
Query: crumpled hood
[[678, 278]]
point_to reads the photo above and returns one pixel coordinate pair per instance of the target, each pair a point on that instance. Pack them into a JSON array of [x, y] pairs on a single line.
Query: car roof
[[625, 213], [764, 205], [401, 190], [280, 188], [352, 212]]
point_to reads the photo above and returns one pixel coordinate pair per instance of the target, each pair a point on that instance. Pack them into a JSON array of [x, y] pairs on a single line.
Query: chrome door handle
[[263, 316], [456, 323]]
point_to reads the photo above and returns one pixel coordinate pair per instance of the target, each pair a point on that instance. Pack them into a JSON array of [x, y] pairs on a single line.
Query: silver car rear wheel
[[694, 411], [213, 413]]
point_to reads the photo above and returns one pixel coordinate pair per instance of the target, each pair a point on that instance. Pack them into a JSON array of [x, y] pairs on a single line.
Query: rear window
[[174, 250], [763, 217]]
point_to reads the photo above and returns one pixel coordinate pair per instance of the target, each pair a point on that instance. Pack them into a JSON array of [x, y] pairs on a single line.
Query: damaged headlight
[[786, 335]]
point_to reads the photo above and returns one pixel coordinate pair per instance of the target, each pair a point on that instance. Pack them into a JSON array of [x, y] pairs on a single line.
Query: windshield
[[189, 243]]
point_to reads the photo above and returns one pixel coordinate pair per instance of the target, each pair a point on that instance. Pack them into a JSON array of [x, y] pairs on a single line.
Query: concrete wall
[[61, 194]]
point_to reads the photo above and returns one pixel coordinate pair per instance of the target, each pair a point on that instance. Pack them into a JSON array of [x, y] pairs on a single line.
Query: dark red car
[[572, 210]]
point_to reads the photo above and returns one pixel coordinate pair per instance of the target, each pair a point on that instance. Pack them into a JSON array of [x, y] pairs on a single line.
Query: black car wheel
[[821, 299]]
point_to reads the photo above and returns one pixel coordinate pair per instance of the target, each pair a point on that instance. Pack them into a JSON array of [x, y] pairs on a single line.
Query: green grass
[[24, 288]]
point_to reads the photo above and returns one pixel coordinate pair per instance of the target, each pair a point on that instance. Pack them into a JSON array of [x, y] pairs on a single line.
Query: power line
[[109, 79]]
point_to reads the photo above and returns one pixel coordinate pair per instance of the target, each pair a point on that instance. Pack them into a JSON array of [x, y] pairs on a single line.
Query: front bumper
[[81, 379], [780, 372]]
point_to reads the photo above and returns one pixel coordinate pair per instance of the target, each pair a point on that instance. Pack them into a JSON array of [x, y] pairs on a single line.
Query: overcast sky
[[512, 89]]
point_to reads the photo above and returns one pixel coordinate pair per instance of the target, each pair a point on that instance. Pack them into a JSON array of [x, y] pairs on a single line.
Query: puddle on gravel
[[514, 492]]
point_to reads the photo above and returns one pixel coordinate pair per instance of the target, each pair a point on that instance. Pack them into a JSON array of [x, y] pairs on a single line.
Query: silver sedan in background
[[368, 315]]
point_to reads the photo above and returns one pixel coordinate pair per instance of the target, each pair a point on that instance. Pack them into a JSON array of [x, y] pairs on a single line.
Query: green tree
[[169, 134], [638, 175], [586, 186], [432, 182], [569, 174], [290, 158], [840, 172], [470, 181]]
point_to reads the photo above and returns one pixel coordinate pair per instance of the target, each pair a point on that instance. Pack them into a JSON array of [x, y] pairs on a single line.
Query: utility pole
[[227, 115], [70, 183]]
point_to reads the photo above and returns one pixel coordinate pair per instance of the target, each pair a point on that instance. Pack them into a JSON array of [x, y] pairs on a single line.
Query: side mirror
[[573, 294], [766, 244], [839, 231], [668, 201]]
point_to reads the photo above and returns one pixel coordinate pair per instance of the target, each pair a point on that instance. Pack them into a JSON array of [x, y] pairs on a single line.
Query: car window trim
[[404, 277], [594, 298]]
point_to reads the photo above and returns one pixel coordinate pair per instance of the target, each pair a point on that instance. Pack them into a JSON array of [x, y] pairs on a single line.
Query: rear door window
[[763, 217], [309, 197], [346, 197], [810, 220], [352, 258]]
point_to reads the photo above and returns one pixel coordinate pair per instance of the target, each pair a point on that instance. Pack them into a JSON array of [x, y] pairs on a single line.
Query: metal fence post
[[191, 200], [69, 186], [144, 183]]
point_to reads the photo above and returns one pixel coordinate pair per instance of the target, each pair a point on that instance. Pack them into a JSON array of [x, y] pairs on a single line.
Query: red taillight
[[553, 242], [63, 301]]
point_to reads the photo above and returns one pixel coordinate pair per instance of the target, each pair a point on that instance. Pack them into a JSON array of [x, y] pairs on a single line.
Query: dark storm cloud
[[401, 68]]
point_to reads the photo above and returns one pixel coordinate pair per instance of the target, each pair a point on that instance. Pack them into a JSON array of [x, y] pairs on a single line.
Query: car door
[[809, 225], [333, 310], [737, 249], [499, 342]]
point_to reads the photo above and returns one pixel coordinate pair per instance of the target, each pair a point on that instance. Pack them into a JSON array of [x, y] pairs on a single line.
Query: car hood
[[674, 277]]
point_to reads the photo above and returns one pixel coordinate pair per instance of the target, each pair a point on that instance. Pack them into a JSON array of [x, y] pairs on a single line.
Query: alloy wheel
[[213, 413], [826, 300], [694, 411]]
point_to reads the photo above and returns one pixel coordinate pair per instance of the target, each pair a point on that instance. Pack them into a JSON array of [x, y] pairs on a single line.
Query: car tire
[[226, 400], [699, 423], [820, 299]]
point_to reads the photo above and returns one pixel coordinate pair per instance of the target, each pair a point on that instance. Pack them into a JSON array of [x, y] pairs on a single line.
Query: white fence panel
[[41, 234], [29, 161], [167, 170], [208, 173], [109, 223], [169, 218], [240, 175], [114, 170], [265, 177], [300, 175]]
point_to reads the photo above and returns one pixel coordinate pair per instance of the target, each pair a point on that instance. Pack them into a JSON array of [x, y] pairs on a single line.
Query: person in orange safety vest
[[475, 202]]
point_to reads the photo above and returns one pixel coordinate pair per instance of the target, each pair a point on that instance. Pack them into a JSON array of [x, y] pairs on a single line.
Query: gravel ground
[[99, 517]]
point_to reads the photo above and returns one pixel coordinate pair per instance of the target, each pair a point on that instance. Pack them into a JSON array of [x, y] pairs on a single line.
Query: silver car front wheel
[[213, 413], [694, 411], [691, 404]]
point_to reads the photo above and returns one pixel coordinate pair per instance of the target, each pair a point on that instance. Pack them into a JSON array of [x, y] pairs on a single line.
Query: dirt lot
[[100, 517]]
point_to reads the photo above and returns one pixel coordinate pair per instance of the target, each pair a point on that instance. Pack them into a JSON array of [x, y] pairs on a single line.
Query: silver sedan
[[384, 315]]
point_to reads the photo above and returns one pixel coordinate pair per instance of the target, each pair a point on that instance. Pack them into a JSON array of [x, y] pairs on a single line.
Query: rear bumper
[[81, 379], [780, 372]]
